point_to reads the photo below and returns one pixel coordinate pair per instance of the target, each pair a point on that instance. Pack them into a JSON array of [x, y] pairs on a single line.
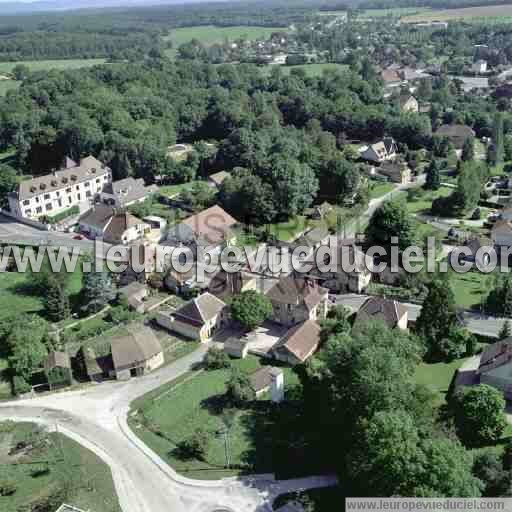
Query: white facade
[[54, 193]]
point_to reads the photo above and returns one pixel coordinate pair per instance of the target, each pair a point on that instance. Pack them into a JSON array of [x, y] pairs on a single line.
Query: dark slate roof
[[119, 224], [496, 355], [379, 308], [295, 290], [98, 216]]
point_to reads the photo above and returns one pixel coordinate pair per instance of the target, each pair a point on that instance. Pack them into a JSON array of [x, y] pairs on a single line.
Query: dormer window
[[74, 177], [42, 186], [54, 183], [64, 180], [33, 188]]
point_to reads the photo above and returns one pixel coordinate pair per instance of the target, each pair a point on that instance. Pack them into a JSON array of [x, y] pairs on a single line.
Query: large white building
[[74, 185]]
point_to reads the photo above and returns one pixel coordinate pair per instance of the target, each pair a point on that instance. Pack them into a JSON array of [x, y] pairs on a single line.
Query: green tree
[[479, 413], [391, 220], [195, 446], [25, 342], [438, 317], [216, 359], [56, 301], [238, 388], [497, 149], [97, 291], [468, 150], [250, 309], [433, 178], [8, 181], [499, 300], [506, 330]]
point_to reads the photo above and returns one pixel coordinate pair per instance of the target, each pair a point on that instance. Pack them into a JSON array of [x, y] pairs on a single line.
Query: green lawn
[[395, 11], [420, 200], [8, 85], [287, 231], [170, 414], [470, 288], [59, 471], [174, 190], [43, 65], [210, 34], [379, 189], [437, 377], [312, 70]]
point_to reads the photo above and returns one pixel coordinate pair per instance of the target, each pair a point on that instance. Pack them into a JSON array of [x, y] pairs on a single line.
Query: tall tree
[[438, 317], [56, 301], [391, 220], [433, 178], [479, 413], [468, 150], [497, 149], [97, 291], [250, 309]]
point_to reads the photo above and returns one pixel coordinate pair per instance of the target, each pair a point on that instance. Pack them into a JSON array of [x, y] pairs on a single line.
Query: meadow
[[43, 65], [490, 11], [210, 34]]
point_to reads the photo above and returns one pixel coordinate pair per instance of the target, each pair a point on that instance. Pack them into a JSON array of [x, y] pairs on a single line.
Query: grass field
[[489, 11], [420, 200], [174, 190], [210, 34], [60, 470], [287, 231], [312, 70], [42, 65], [437, 377], [470, 288], [396, 12], [8, 85], [173, 412], [379, 189]]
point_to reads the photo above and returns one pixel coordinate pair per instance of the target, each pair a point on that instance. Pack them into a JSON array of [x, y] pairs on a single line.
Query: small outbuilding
[[136, 353], [57, 368], [236, 347]]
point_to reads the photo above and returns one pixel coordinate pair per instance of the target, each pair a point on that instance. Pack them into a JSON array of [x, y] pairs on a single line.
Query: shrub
[[216, 359], [20, 385]]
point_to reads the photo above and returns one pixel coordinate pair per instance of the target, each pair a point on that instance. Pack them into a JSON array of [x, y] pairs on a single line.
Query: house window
[[60, 203], [47, 196], [28, 211], [88, 193], [87, 184], [70, 200], [78, 187], [26, 202], [97, 180], [37, 199], [68, 191], [78, 196], [39, 209], [48, 207], [57, 193]]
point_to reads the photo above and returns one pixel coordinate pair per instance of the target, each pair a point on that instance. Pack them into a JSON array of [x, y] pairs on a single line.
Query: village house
[[318, 212], [379, 309], [396, 172], [75, 185], [501, 234], [126, 192], [216, 180], [136, 353], [298, 344], [113, 226], [210, 230], [495, 368], [479, 67], [380, 151], [353, 270], [296, 299], [227, 284], [408, 103], [391, 78], [134, 294], [198, 319], [457, 134], [96, 367]]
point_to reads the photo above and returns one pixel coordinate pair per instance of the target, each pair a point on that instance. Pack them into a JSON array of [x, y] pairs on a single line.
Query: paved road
[[475, 322], [97, 418]]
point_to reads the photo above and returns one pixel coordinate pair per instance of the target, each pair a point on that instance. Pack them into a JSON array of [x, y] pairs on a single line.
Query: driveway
[[261, 340], [96, 417]]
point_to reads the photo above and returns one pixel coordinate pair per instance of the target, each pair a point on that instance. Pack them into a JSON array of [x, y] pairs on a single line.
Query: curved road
[[96, 417]]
